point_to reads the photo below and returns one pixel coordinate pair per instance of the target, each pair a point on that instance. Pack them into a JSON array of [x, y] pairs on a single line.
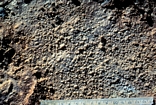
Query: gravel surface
[[76, 49]]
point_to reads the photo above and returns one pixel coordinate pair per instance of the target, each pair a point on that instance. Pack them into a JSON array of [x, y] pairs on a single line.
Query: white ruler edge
[[109, 101]]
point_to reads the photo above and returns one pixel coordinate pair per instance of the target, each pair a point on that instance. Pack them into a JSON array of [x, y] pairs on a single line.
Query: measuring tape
[[111, 101]]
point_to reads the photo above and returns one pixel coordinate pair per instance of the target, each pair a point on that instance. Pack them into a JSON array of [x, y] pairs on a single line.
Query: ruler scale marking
[[112, 101]]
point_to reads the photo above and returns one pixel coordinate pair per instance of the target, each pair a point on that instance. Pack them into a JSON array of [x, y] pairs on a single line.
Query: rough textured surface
[[75, 49]]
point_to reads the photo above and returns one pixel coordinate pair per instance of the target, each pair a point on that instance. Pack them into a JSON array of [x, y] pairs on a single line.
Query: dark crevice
[[123, 3], [81, 51], [27, 1], [153, 102], [41, 90], [136, 44], [6, 52], [150, 21], [58, 21], [147, 17], [1, 57], [38, 75], [6, 41], [10, 88], [52, 90], [103, 49], [9, 54], [103, 41], [76, 2], [99, 1]]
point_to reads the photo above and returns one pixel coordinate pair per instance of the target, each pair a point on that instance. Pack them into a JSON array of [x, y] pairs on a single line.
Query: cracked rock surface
[[76, 49]]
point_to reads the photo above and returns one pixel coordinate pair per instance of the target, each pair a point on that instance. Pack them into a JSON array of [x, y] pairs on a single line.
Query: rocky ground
[[76, 49]]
